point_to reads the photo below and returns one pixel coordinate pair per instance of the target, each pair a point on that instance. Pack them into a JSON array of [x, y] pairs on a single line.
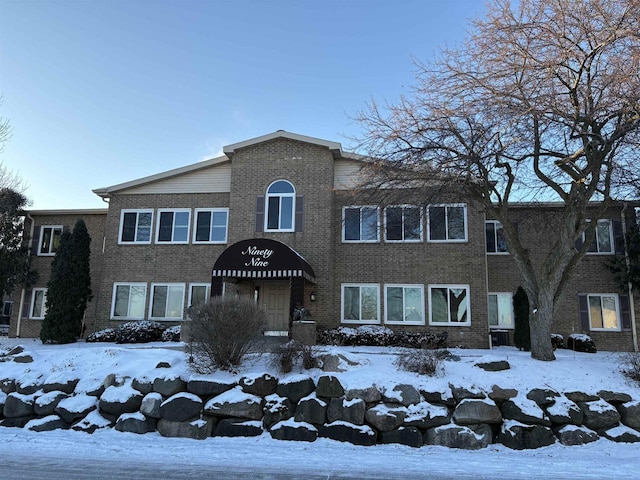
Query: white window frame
[[280, 196], [53, 228], [403, 240], [618, 313], [446, 219], [496, 224], [113, 300], [360, 207], [168, 285], [137, 211], [597, 244], [450, 323], [202, 284], [375, 321], [32, 304], [404, 287], [513, 320], [173, 226], [212, 211]]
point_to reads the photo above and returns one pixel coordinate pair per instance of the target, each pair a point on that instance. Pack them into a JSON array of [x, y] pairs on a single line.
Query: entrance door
[[275, 300]]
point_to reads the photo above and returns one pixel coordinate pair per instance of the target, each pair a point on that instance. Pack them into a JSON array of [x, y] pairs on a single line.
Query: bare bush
[[223, 331], [630, 366], [421, 361], [286, 355]]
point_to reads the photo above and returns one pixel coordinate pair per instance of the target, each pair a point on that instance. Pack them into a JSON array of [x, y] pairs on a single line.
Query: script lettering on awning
[[258, 257]]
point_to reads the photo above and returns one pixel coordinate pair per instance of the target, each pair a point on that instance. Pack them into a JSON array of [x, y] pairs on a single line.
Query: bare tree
[[540, 103]]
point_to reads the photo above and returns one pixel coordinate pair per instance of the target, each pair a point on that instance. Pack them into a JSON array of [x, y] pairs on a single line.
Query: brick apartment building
[[278, 218]]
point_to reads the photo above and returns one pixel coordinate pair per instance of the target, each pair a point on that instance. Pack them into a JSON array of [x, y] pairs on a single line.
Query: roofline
[[334, 147], [106, 191], [69, 211]]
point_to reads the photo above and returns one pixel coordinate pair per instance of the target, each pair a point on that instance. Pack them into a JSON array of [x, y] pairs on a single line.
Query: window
[[404, 304], [602, 240], [501, 310], [360, 303], [128, 301], [199, 293], [360, 224], [603, 311], [211, 225], [135, 226], [281, 197], [402, 224], [49, 239], [6, 308], [495, 239], [447, 223], [449, 304], [167, 301], [173, 226], [38, 307]]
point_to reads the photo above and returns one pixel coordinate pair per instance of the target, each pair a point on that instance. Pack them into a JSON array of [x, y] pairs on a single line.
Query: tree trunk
[[540, 327]]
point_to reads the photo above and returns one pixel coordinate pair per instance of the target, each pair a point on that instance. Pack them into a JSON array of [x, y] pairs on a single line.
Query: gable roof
[[334, 147]]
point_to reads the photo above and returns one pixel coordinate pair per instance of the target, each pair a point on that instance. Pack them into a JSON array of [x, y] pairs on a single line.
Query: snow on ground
[[572, 371]]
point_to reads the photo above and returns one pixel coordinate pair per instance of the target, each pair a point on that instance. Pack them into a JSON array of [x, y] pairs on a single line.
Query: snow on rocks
[[235, 403], [74, 408]]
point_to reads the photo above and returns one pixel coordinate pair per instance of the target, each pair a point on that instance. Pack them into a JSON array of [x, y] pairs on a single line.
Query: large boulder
[[403, 394], [235, 403], [623, 434], [18, 405], [493, 366], [181, 407], [575, 435], [614, 398], [523, 410], [72, 409], [143, 383], [329, 387], [168, 384], [543, 396], [261, 386], [198, 429], [295, 387], [425, 415], [93, 386], [46, 424], [385, 417], [439, 397], [410, 436], [7, 385], [466, 392], [475, 411], [630, 414], [61, 381], [459, 436], [292, 430], [150, 406], [368, 394], [45, 404], [118, 400], [599, 415], [347, 432], [501, 395], [276, 409], [206, 387], [238, 427], [351, 411], [92, 422], [564, 411], [29, 383], [311, 409], [522, 437], [135, 423]]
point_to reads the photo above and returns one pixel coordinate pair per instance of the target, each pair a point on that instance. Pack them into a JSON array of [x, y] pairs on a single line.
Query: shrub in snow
[[580, 342], [557, 341], [630, 366], [285, 356], [422, 362], [378, 336], [106, 335], [223, 331], [171, 334], [142, 331]]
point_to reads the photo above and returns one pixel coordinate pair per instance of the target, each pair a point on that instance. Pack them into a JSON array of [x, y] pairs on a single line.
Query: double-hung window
[[128, 301], [135, 226], [602, 241], [447, 223], [167, 301], [360, 303], [402, 224], [603, 311], [404, 304], [49, 239], [211, 225], [501, 310], [449, 305], [199, 293], [38, 307], [495, 238], [173, 226], [360, 224], [280, 201]]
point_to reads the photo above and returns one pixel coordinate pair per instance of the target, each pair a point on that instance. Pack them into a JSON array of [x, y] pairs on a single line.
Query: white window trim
[[513, 318], [173, 226], [360, 285], [611, 238], [411, 240], [344, 209], [468, 299], [195, 225], [403, 286], [496, 223], [618, 313], [113, 299], [280, 195], [466, 223], [198, 284], [153, 286], [53, 227], [135, 210], [32, 303]]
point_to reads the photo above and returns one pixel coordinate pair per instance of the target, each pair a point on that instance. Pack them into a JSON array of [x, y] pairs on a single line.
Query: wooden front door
[[275, 301]]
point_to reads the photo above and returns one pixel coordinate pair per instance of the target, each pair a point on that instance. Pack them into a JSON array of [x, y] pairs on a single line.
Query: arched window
[[280, 200]]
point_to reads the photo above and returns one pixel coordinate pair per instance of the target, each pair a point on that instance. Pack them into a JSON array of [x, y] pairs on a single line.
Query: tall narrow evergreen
[[522, 333], [69, 288]]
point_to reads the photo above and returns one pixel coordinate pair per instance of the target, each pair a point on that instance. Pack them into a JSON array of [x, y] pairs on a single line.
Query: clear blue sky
[[103, 92]]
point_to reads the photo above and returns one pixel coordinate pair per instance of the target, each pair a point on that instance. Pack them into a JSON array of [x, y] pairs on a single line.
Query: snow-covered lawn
[[589, 373]]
